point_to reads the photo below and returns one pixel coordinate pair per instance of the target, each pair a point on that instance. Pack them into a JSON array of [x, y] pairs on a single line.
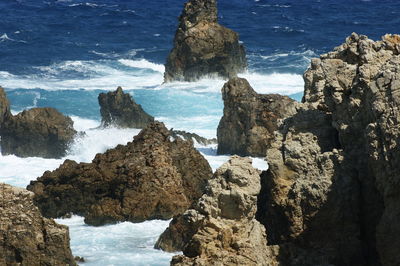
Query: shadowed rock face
[[40, 132], [4, 107], [250, 119], [119, 109], [202, 47], [331, 194], [26, 238], [152, 177], [221, 228]]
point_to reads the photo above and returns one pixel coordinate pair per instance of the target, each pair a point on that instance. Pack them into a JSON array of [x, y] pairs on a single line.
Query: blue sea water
[[64, 53]]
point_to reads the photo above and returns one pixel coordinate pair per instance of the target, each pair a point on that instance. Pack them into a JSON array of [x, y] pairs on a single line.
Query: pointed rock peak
[[119, 90], [4, 105], [153, 129], [198, 10]]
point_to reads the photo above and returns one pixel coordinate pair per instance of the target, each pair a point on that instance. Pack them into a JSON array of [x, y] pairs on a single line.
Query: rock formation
[[250, 119], [331, 195], [152, 177], [26, 238], [221, 229], [4, 107], [41, 132], [202, 47], [119, 109], [192, 137]]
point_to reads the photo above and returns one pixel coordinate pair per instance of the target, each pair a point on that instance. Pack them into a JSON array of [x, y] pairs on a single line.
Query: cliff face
[[221, 229], [119, 109], [152, 177], [332, 189], [202, 47], [250, 119], [26, 238]]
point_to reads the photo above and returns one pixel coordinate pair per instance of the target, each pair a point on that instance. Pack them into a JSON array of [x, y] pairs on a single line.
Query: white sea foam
[[97, 140], [275, 82], [142, 63], [4, 38], [88, 75], [120, 244]]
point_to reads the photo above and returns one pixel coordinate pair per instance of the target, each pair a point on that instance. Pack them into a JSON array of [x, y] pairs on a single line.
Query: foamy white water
[[119, 244]]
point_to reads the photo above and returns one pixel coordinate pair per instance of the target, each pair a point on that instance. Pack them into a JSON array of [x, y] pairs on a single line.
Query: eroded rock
[[221, 229], [119, 109], [331, 194], [39, 132], [152, 177], [202, 47], [250, 119], [26, 238]]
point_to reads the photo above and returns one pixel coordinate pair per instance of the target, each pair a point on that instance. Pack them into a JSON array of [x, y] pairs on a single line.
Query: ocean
[[63, 53]]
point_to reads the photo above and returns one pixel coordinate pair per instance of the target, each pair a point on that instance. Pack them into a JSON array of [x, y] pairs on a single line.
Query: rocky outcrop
[[4, 107], [250, 119], [221, 229], [192, 137], [119, 109], [26, 238], [331, 194], [40, 132], [202, 47], [152, 177]]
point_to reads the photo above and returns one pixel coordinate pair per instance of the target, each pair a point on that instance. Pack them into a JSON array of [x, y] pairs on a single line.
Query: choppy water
[[64, 53]]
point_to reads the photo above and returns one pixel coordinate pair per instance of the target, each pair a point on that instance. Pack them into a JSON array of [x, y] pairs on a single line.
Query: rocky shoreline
[[331, 194]]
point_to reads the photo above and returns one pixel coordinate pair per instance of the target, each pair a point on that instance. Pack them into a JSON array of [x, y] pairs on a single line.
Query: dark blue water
[[46, 32], [63, 53]]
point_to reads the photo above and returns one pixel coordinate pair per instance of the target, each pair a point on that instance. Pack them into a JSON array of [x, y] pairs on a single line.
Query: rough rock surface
[[152, 177], [4, 107], [40, 132], [202, 47], [221, 229], [250, 119], [192, 137], [119, 109], [26, 238], [331, 195]]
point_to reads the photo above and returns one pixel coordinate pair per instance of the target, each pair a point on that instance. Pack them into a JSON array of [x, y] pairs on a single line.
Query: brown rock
[[221, 229], [4, 107], [331, 194], [40, 132], [119, 109], [250, 119], [202, 47], [152, 177], [26, 238]]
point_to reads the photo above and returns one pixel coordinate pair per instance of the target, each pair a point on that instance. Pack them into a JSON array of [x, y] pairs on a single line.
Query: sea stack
[[250, 119], [202, 47], [38, 132], [119, 109]]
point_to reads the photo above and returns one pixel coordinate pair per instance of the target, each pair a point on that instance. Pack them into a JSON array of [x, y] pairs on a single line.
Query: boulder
[[153, 177], [221, 228], [26, 238], [119, 109], [331, 193], [202, 47], [250, 119], [39, 132]]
